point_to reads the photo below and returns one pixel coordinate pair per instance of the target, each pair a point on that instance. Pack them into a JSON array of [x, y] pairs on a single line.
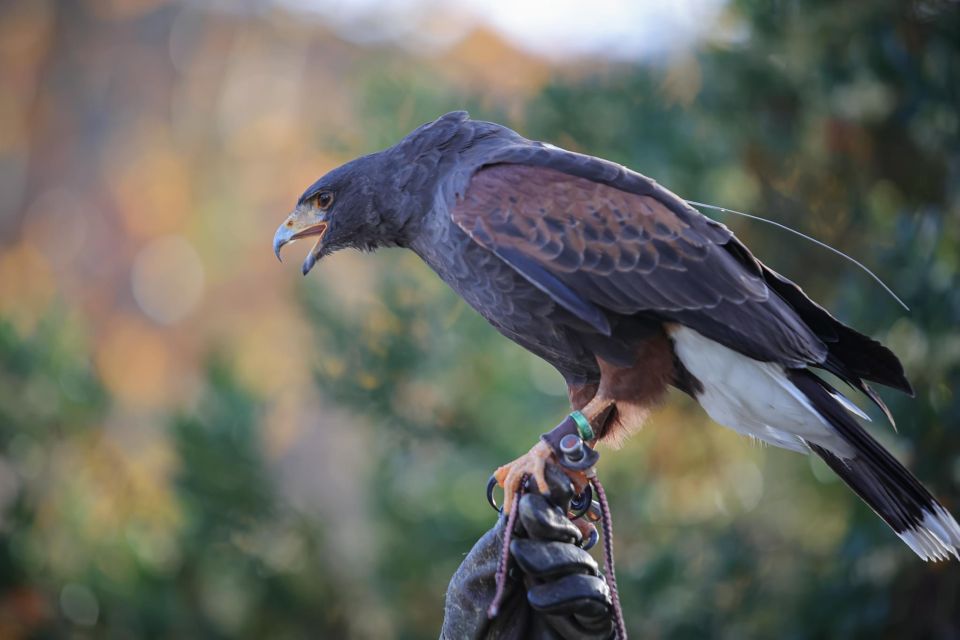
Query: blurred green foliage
[[837, 118]]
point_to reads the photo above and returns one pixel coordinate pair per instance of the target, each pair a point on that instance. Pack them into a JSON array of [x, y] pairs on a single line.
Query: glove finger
[[594, 626], [574, 594], [543, 521], [575, 628], [561, 487], [546, 560]]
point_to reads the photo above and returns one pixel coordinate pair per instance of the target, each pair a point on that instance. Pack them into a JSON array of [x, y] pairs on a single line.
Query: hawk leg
[[532, 463]]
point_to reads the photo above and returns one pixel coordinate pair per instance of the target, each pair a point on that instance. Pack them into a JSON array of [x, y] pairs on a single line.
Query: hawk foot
[[531, 463]]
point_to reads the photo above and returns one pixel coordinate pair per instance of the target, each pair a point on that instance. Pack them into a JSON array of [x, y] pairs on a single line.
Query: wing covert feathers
[[628, 253], [600, 240]]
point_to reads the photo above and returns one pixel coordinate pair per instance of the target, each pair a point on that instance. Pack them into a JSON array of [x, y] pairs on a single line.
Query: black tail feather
[[853, 356], [881, 481]]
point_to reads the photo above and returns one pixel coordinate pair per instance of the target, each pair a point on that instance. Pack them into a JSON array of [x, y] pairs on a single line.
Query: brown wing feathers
[[598, 249], [628, 253], [574, 224]]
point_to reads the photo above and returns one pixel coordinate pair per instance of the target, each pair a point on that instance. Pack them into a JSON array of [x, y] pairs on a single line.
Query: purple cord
[[607, 522], [494, 608]]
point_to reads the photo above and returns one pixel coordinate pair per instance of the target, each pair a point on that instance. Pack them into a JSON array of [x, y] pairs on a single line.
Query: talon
[[491, 484], [532, 463], [590, 534]]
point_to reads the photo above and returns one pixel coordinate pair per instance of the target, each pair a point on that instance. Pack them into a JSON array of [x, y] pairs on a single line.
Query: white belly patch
[[751, 397]]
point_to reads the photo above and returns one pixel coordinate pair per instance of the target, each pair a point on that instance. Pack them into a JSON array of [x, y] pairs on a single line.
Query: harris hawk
[[626, 290]]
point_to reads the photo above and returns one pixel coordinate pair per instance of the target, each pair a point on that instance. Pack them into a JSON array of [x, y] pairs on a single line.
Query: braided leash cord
[[607, 522], [494, 608]]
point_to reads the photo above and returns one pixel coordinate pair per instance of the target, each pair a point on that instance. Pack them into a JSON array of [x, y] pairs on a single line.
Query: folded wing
[[602, 241]]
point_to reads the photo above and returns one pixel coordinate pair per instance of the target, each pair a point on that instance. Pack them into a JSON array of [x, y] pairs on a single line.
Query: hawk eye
[[324, 199]]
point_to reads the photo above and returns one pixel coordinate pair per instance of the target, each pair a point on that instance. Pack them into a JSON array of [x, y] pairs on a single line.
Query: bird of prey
[[626, 290]]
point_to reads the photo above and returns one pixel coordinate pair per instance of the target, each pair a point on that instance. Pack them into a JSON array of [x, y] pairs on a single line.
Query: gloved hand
[[554, 589]]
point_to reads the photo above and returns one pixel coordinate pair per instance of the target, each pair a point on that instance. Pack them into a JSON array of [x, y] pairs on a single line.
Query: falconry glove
[[554, 591]]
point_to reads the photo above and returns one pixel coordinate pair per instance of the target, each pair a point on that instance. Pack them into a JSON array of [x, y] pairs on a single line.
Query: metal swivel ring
[[581, 503], [491, 485]]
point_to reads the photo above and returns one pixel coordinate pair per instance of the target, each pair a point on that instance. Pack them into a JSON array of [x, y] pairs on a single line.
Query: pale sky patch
[[555, 29]]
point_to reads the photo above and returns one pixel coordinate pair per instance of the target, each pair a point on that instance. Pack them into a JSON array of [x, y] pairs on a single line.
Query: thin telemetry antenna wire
[[811, 239]]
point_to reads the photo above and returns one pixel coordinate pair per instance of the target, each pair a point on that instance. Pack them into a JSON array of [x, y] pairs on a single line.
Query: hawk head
[[376, 200], [348, 208]]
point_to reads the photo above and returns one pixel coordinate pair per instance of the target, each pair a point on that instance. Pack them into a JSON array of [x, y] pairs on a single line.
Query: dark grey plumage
[[625, 289], [407, 195]]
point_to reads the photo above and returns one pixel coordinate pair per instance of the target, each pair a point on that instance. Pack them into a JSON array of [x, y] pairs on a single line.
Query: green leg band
[[583, 426]]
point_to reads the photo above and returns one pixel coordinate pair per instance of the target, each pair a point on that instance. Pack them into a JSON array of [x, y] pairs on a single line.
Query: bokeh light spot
[[79, 604], [26, 286], [746, 481], [134, 363], [9, 488], [167, 279]]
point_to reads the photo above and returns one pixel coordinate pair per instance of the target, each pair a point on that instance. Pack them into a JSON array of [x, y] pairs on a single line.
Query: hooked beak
[[301, 224]]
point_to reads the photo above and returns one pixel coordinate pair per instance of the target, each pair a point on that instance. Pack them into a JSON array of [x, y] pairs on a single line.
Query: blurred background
[[197, 442]]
